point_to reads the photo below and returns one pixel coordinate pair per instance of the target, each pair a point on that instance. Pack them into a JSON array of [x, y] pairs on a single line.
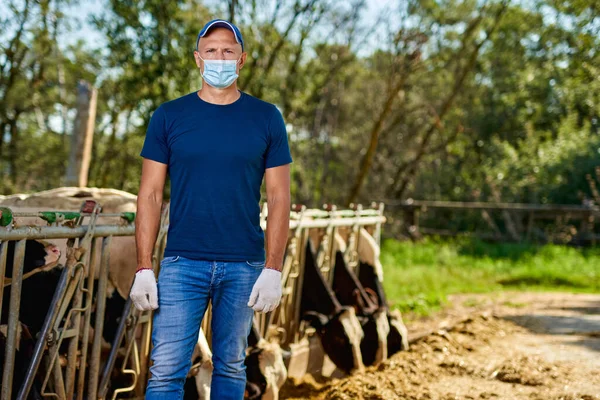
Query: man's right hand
[[144, 292]]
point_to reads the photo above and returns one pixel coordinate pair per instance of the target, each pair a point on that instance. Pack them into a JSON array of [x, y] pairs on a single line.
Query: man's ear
[[243, 59], [197, 59]]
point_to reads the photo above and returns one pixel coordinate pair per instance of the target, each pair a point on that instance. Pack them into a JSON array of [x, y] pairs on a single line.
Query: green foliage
[[460, 99], [419, 277]]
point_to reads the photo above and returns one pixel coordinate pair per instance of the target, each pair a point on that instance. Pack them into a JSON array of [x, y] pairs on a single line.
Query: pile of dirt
[[475, 359]]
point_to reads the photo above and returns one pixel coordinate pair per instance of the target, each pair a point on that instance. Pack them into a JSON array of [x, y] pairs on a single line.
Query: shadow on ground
[[581, 321]]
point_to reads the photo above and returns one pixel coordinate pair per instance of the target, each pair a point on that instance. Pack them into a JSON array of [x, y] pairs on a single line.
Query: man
[[216, 144]]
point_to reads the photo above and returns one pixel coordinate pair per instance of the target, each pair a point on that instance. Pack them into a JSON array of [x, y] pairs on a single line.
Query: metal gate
[[67, 360]]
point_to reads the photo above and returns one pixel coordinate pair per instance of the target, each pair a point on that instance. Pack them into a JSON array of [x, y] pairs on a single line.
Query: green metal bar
[[6, 216], [128, 216], [53, 216]]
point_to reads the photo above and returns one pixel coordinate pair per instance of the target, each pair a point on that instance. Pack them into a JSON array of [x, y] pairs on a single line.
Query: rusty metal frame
[[13, 319], [78, 285], [73, 297]]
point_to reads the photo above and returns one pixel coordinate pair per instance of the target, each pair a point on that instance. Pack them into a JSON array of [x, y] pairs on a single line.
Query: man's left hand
[[266, 293]]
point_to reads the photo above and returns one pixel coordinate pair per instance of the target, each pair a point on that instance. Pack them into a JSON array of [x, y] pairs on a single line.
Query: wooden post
[[82, 137], [411, 222], [530, 222]]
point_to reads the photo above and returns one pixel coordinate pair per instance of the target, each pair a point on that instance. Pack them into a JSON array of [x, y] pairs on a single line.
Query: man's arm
[[277, 182], [149, 203]]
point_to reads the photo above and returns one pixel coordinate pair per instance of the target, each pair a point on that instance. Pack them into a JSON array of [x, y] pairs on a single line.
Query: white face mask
[[220, 74]]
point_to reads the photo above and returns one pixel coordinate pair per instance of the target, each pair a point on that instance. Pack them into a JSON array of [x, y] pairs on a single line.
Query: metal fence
[[67, 357], [561, 223]]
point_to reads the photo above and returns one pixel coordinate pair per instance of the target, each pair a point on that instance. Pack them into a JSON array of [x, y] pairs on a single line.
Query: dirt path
[[534, 346]]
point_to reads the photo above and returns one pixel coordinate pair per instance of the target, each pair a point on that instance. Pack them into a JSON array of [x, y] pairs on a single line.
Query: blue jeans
[[185, 287]]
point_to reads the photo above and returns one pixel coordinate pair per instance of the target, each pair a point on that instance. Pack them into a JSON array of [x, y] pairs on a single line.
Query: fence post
[[99, 323], [13, 319], [411, 221]]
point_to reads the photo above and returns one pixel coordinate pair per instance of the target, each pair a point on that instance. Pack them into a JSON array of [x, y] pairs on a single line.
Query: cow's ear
[[317, 320]]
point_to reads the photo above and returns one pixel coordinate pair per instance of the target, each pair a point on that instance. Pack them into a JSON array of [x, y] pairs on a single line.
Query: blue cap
[[221, 23]]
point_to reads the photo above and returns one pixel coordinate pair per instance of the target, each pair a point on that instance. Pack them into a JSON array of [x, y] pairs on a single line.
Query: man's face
[[219, 44]]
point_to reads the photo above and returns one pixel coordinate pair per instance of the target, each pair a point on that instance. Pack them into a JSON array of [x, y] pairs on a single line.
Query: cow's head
[[265, 369], [341, 335]]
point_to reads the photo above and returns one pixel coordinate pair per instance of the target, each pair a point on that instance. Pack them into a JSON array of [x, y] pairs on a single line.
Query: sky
[[82, 30]]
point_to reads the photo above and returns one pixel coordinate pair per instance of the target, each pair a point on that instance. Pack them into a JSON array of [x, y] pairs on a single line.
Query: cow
[[265, 370], [41, 274], [37, 290], [370, 274], [337, 326], [350, 292], [197, 385], [123, 262], [122, 249], [24, 352]]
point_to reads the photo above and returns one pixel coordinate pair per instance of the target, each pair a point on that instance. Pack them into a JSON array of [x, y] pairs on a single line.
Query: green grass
[[419, 277]]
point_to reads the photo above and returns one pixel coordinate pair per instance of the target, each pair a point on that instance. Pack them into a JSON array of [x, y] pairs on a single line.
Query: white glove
[[144, 292], [266, 293]]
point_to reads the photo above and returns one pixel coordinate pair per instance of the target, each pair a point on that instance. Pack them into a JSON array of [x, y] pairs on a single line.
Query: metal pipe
[[135, 370], [13, 319], [315, 213], [114, 348], [74, 341], [73, 282], [99, 323], [67, 213], [63, 232], [59, 382], [3, 252], [43, 335], [144, 353], [323, 223], [75, 276], [85, 245], [295, 317], [377, 232], [87, 319], [480, 205]]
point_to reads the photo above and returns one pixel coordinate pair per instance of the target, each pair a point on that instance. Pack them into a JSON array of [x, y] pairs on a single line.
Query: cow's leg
[[183, 293], [397, 337], [231, 324], [265, 368]]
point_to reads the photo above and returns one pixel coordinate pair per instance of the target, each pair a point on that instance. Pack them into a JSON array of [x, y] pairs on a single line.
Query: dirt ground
[[535, 346]]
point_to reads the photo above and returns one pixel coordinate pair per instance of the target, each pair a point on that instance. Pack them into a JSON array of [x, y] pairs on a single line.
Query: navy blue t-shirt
[[216, 157]]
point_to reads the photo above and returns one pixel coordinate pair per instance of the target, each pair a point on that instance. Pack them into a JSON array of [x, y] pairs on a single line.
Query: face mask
[[219, 73]]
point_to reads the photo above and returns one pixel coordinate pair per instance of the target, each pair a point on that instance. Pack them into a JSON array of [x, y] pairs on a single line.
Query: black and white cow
[[350, 292], [337, 326], [371, 277]]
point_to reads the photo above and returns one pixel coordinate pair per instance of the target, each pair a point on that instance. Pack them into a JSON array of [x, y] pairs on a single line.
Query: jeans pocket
[[256, 264], [169, 260]]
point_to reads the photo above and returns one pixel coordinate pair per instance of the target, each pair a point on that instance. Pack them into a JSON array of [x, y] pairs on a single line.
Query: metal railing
[[67, 357], [72, 365]]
